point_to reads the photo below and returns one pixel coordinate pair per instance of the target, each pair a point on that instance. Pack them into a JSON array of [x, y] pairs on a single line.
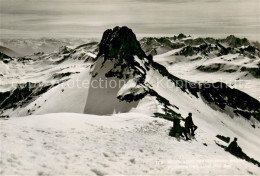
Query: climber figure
[[234, 149], [189, 125], [177, 130]]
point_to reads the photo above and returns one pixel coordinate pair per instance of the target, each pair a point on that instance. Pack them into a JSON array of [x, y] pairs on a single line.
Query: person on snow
[[189, 125], [234, 149], [177, 129], [232, 145]]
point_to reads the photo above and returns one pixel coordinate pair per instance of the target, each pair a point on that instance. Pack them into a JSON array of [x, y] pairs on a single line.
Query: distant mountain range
[[23, 47]]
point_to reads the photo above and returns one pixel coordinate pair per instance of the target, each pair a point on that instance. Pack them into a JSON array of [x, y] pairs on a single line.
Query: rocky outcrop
[[119, 43], [235, 41], [120, 46], [223, 96], [6, 59], [22, 94], [203, 49], [154, 46]]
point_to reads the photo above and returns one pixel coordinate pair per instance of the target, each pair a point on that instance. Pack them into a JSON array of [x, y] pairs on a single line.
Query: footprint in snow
[[132, 161], [105, 155], [178, 172], [98, 172]]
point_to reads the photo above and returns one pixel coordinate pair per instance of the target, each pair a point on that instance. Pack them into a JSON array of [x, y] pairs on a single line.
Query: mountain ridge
[[120, 57]]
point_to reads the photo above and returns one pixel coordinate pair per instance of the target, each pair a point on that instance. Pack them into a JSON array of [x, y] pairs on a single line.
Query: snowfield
[[122, 144]]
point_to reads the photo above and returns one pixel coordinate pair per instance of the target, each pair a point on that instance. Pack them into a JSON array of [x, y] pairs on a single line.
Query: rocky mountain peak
[[121, 47], [234, 41], [120, 42]]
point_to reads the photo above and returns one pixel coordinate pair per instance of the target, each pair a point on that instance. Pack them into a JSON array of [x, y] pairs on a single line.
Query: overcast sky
[[89, 18]]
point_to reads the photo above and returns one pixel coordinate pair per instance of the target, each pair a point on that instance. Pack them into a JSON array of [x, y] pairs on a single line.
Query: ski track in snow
[[122, 144]]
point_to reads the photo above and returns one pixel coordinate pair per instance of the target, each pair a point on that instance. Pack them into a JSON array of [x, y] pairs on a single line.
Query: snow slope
[[59, 99], [45, 68], [122, 144], [186, 68]]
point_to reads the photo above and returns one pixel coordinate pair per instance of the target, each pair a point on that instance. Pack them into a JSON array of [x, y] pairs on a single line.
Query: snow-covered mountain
[[120, 78], [24, 47], [232, 60]]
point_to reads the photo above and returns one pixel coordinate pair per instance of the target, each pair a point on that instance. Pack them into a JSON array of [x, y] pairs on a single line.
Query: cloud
[[153, 16]]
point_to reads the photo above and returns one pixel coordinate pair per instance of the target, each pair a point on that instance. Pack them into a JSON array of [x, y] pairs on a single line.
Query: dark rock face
[[6, 59], [62, 75], [250, 51], [236, 42], [181, 36], [197, 41], [23, 94], [121, 45], [223, 138], [120, 42], [254, 71], [151, 45], [222, 95], [4, 56], [204, 49], [87, 45]]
